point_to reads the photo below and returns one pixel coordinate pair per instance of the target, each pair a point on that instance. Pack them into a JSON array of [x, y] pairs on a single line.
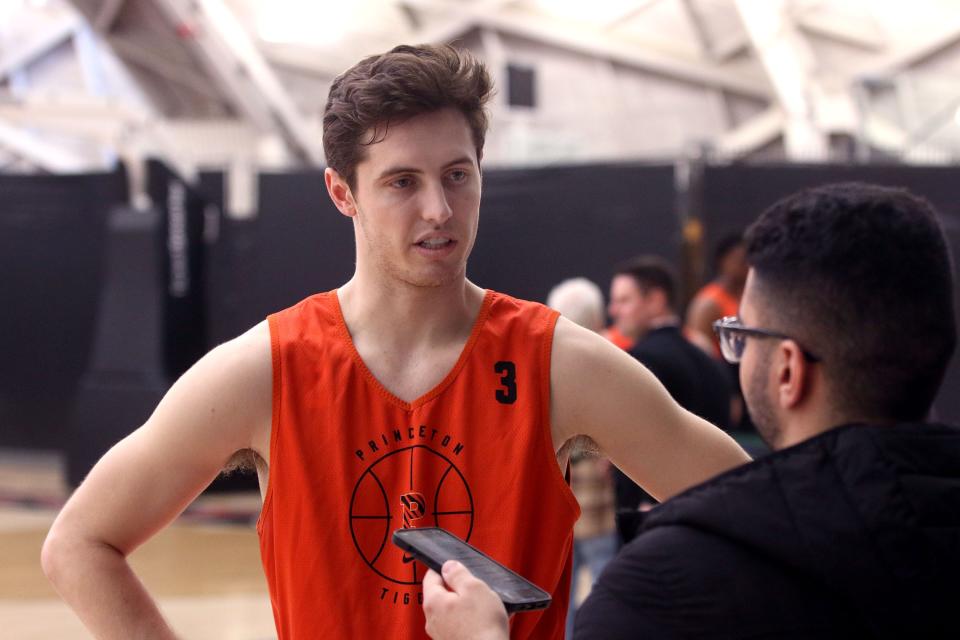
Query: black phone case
[[435, 563]]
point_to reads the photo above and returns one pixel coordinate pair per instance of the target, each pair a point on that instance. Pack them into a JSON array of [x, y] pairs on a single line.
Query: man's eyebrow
[[392, 171], [460, 160]]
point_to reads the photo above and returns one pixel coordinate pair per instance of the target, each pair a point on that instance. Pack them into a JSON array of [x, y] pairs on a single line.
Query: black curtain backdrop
[[304, 244], [181, 208], [52, 239], [537, 227], [733, 196], [541, 226]]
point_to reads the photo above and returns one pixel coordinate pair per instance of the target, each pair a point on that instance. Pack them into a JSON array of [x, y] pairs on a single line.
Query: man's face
[[734, 265], [629, 307], [418, 200], [755, 375]]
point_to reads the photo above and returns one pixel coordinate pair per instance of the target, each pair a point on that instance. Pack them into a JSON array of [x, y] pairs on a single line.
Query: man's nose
[[436, 206]]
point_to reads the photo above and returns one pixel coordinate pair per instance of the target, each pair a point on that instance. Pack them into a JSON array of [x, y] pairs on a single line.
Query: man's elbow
[[52, 555], [61, 550]]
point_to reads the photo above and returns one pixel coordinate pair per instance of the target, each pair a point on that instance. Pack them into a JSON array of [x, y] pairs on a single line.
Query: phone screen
[[434, 546]]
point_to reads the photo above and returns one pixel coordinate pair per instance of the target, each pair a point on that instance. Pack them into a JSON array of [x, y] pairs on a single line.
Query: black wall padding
[[541, 226], [305, 244], [126, 377], [183, 261], [232, 270], [537, 227], [733, 196], [52, 237]]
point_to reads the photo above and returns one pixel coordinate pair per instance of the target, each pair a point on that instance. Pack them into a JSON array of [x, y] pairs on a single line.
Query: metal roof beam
[[107, 15], [47, 156], [223, 44], [790, 65], [752, 135], [136, 54], [301, 60], [846, 31], [699, 28], [946, 35], [43, 41], [600, 45]]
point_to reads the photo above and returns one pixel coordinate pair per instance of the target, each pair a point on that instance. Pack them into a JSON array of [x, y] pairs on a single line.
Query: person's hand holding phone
[[464, 608]]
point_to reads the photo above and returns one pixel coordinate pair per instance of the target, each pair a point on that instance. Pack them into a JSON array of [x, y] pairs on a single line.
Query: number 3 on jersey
[[508, 378]]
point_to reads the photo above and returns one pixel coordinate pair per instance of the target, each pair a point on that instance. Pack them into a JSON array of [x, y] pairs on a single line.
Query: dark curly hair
[[861, 275], [392, 87]]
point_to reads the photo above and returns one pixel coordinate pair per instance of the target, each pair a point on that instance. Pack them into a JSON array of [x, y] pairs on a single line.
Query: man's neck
[[661, 321], [730, 285], [408, 317], [666, 320], [816, 422]]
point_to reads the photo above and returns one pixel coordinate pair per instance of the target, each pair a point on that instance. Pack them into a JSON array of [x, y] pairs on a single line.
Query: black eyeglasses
[[733, 338]]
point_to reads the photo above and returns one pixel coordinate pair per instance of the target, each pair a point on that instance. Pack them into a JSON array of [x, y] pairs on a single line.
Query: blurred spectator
[[643, 303], [719, 298], [594, 540]]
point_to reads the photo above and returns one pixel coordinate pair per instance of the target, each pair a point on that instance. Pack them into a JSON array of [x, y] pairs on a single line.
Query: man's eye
[[458, 175], [401, 183]]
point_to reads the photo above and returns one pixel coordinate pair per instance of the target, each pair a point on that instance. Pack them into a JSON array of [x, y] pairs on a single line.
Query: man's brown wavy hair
[[392, 87]]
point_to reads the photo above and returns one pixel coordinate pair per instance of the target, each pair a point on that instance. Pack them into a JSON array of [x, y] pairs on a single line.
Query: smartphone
[[433, 546]]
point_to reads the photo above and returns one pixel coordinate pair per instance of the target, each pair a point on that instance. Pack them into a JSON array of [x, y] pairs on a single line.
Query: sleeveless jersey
[[350, 463]]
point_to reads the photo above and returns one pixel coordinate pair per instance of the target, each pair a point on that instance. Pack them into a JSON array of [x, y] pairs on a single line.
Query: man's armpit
[[244, 461]]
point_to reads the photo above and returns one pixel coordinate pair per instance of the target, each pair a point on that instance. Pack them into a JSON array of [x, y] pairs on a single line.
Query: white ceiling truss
[[206, 60]]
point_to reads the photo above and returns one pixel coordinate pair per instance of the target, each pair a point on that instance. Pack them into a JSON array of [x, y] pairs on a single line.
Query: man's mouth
[[435, 243]]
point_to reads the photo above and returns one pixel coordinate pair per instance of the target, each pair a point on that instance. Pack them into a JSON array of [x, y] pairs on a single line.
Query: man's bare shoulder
[[586, 367], [224, 400], [240, 373], [578, 349], [250, 353]]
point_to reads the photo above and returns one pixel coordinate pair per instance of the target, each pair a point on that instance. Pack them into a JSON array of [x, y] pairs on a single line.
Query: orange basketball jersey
[[350, 463]]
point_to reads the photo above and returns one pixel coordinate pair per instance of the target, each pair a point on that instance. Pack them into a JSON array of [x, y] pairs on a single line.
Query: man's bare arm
[[600, 391], [222, 404]]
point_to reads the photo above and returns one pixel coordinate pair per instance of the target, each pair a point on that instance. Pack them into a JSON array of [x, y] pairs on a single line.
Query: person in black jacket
[[851, 528], [643, 299]]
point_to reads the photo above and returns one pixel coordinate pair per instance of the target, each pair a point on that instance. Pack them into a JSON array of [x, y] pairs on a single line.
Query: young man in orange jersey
[[407, 397]]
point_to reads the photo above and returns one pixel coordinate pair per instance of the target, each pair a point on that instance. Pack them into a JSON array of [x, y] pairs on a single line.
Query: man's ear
[[340, 192], [659, 297], [793, 375]]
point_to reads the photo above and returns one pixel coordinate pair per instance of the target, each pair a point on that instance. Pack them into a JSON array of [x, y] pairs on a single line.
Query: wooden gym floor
[[204, 570]]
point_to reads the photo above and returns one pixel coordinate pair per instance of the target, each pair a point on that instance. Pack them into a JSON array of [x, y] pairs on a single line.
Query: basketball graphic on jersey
[[408, 488]]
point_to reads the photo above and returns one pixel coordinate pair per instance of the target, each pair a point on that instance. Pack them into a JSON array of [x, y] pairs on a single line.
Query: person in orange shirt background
[[720, 298]]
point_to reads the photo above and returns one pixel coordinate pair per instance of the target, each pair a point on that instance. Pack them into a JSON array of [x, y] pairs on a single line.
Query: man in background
[[851, 528], [643, 301]]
